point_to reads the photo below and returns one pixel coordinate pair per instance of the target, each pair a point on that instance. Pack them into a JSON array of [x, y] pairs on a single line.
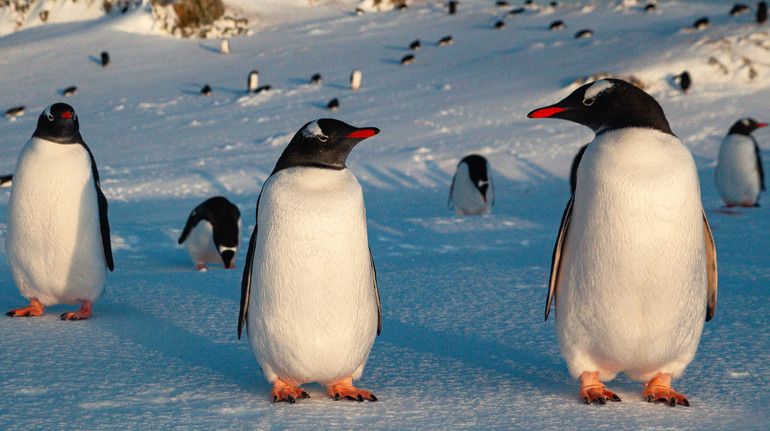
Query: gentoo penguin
[[739, 175], [58, 239], [212, 233], [6, 180], [309, 294], [472, 191], [761, 12], [634, 270]]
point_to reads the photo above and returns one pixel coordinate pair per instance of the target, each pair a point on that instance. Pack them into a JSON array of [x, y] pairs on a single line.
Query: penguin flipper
[[195, 217], [451, 190], [556, 257], [101, 200], [246, 282], [711, 268], [759, 165], [376, 293]]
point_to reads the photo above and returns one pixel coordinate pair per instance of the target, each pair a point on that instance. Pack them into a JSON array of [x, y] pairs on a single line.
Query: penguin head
[[227, 254], [324, 143], [477, 170], [58, 123], [745, 126], [608, 104]]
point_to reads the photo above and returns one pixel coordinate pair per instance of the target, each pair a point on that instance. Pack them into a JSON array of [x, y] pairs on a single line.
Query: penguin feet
[[591, 389], [659, 389], [283, 391], [35, 308], [83, 313], [345, 389], [202, 267]]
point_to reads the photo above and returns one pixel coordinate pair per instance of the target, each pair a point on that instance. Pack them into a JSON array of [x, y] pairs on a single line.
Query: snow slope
[[463, 343]]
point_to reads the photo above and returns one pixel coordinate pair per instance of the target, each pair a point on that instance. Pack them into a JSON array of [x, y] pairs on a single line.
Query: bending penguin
[[472, 191], [739, 176], [212, 233], [58, 239], [634, 271], [309, 294]]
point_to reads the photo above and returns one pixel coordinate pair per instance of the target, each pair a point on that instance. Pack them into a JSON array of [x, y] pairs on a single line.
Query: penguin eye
[[49, 116], [588, 102], [323, 138]]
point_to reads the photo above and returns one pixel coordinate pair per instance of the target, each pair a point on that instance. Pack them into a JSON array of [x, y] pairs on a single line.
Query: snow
[[463, 343]]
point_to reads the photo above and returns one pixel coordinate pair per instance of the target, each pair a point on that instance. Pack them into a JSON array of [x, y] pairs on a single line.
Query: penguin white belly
[[53, 242], [312, 314], [466, 198], [737, 174], [633, 292], [200, 244]]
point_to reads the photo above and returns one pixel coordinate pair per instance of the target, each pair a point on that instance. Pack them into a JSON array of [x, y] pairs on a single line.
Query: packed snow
[[463, 342]]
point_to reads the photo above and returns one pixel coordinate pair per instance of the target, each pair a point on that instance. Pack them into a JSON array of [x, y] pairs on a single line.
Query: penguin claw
[[591, 389], [35, 308], [345, 389], [659, 389], [282, 391]]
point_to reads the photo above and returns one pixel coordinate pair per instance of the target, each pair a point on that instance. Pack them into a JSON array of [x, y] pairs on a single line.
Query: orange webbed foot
[[345, 389], [659, 389], [591, 389], [202, 267], [82, 314], [283, 391], [35, 308]]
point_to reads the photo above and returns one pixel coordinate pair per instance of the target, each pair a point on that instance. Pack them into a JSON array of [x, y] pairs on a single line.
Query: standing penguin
[[472, 191], [212, 233], [309, 293], [739, 176], [58, 239], [634, 270]]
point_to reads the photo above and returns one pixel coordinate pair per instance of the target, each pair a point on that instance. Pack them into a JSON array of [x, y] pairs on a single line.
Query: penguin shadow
[[220, 187], [397, 48], [96, 60], [208, 48], [299, 81], [391, 61]]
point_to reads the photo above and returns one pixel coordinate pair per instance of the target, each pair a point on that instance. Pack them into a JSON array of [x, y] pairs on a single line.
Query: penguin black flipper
[[246, 280], [759, 164], [556, 257], [451, 190], [195, 217], [376, 292], [711, 268], [104, 223]]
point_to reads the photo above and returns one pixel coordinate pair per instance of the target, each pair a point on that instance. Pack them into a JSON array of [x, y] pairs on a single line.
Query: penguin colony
[[596, 340]]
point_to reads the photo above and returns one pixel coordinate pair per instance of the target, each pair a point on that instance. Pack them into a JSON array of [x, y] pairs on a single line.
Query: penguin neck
[[284, 164], [66, 139]]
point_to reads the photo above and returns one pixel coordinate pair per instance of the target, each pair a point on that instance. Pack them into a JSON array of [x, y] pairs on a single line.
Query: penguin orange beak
[[545, 112], [364, 133], [67, 114]]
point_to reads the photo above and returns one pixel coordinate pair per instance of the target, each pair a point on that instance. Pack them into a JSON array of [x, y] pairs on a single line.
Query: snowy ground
[[463, 342]]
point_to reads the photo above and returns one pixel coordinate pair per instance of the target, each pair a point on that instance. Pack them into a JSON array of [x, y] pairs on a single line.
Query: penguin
[[6, 180], [761, 12], [105, 57], [407, 59], [309, 296], [316, 78], [224, 47], [685, 81], [472, 191], [556, 25], [333, 104], [58, 237], [574, 168], [452, 7], [584, 34], [206, 90], [212, 233], [253, 81], [70, 91], [739, 176], [701, 23], [355, 80], [445, 41], [15, 111], [634, 270], [415, 45], [499, 25], [739, 9]]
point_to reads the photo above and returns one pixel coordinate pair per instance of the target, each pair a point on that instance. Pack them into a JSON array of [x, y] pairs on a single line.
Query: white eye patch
[[47, 113], [595, 90], [313, 130]]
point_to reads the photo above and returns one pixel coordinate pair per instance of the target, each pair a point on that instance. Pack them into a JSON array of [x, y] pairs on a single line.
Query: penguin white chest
[[466, 198], [633, 291], [313, 309], [737, 174], [200, 244], [54, 242]]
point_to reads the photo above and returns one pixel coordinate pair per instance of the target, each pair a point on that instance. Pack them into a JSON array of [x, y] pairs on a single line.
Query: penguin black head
[[477, 170], [608, 104], [745, 126], [324, 143], [58, 123]]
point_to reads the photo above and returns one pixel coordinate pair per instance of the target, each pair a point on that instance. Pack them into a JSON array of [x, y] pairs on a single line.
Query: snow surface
[[463, 343]]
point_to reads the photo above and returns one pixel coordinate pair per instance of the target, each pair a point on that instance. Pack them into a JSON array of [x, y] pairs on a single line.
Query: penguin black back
[[59, 123], [477, 169], [608, 104], [223, 216], [324, 143]]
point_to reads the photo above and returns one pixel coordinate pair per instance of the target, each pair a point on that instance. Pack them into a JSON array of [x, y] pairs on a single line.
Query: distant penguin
[[649, 7], [15, 111], [69, 91], [6, 180], [446, 40], [516, 11], [333, 104], [58, 237], [502, 4], [739, 175], [556, 25], [574, 168], [584, 34], [415, 46], [685, 81], [212, 233], [701, 23], [499, 25], [309, 297], [253, 81], [739, 9], [316, 78], [452, 7], [761, 12], [407, 59], [634, 270], [206, 90], [472, 191], [263, 89], [224, 46], [105, 57], [355, 80]]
